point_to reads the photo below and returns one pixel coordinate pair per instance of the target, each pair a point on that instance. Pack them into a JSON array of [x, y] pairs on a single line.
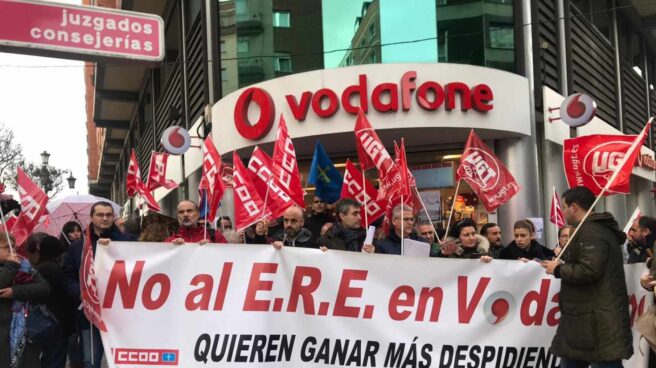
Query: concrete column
[[616, 204]]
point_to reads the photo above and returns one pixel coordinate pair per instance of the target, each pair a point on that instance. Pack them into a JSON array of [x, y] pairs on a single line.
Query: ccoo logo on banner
[[590, 161]]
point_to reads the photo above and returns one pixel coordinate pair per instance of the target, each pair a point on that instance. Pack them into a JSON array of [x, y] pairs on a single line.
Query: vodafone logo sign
[[578, 110], [176, 140], [480, 167], [603, 159], [386, 97]]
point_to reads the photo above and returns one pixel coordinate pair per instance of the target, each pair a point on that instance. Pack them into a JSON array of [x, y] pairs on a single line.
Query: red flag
[[211, 172], [157, 172], [135, 186], [285, 166], [556, 216], [352, 188], [133, 179], [2, 188], [591, 161], [33, 206], [486, 174], [369, 145], [407, 179], [249, 207], [88, 290], [259, 170]]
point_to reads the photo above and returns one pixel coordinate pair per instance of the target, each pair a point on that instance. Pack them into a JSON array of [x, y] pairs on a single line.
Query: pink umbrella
[[71, 208]]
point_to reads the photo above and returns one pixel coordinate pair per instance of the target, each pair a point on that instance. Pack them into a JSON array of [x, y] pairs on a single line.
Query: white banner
[[217, 305]]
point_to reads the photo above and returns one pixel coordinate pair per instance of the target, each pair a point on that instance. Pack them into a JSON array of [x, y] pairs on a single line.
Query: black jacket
[[594, 324], [340, 238], [35, 290], [392, 243], [315, 222], [58, 301], [72, 267], [535, 250], [303, 239]]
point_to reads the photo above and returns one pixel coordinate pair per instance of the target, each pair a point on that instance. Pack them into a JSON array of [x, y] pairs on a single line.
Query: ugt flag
[[324, 176], [556, 216]]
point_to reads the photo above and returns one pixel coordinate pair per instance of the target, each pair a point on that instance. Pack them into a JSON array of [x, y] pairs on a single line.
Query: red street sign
[[79, 32]]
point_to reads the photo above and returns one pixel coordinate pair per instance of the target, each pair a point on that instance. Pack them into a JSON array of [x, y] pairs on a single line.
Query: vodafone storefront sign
[[392, 95], [80, 32]]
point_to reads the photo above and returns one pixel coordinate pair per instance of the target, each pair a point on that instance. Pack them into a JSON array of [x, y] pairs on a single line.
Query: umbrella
[[71, 208]]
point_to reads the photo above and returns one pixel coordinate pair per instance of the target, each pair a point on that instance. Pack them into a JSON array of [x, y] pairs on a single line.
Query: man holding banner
[[594, 327]]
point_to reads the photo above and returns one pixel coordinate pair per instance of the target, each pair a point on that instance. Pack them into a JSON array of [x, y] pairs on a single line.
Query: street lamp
[[46, 181], [45, 156], [71, 179]]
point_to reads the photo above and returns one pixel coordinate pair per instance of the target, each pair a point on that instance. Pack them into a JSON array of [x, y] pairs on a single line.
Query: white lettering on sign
[[257, 166], [355, 189], [483, 171], [29, 206], [159, 165], [244, 195], [606, 161]]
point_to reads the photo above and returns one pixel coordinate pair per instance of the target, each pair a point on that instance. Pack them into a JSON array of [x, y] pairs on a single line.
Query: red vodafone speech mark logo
[[578, 110], [267, 113], [481, 167], [603, 160]]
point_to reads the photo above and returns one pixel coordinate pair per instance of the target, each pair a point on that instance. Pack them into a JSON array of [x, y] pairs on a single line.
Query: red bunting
[[352, 188], [285, 166], [88, 289], [157, 172], [260, 172], [486, 174], [249, 207], [33, 205]]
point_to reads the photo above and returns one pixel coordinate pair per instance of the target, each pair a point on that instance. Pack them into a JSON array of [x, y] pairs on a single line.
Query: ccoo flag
[[324, 176]]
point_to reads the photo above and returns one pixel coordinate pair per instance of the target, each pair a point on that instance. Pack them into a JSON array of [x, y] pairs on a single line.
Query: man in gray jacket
[[594, 326]]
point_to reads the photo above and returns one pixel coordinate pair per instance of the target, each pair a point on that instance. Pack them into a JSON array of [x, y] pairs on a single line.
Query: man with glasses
[[319, 217], [293, 233], [103, 230], [189, 230], [401, 214]]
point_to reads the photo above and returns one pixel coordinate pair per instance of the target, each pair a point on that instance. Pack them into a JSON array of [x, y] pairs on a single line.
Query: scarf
[[19, 309]]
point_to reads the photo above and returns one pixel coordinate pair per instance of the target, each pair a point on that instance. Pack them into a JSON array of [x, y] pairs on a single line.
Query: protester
[[71, 232], [525, 247], [563, 236], [642, 236], [324, 229], [492, 232], [20, 284], [225, 223], [257, 233], [132, 226], [190, 231], [318, 217], [346, 233], [293, 233], [594, 324], [391, 244], [46, 255], [155, 232], [103, 231], [463, 242], [426, 231]]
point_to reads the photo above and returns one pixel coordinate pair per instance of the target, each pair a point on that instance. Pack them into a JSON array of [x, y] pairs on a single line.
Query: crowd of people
[[47, 273]]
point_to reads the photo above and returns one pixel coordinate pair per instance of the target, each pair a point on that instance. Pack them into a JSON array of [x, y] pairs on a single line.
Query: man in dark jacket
[[318, 218], [189, 230], [347, 233], [293, 233], [594, 324], [642, 235], [492, 232], [103, 231], [401, 214]]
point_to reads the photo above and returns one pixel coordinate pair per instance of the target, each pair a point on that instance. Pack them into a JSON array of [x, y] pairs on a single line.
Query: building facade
[[307, 53]]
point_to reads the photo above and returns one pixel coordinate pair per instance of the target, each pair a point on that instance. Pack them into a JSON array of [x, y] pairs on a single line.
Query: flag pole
[[427, 215], [635, 145], [364, 195], [4, 224], [453, 206], [555, 211], [402, 221], [266, 197], [207, 216]]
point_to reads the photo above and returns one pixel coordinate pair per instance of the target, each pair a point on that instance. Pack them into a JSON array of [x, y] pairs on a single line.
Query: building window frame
[[282, 19], [283, 63]]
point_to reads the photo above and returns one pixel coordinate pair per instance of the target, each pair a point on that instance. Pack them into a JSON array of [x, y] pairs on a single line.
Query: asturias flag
[[324, 176]]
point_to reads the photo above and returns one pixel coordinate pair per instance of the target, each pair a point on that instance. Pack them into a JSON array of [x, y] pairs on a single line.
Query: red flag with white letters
[[249, 206], [592, 160], [157, 172], [88, 288], [134, 185], [212, 177], [486, 174], [352, 188], [285, 166], [407, 179], [260, 172], [371, 148], [33, 205], [556, 214]]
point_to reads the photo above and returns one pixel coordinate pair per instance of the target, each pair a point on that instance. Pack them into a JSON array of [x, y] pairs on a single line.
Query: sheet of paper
[[369, 239], [414, 248]]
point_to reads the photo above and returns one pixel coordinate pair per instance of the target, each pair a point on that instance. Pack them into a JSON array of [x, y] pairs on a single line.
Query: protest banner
[[217, 305]]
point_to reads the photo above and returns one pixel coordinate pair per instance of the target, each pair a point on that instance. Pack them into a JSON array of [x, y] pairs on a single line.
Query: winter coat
[[340, 238], [594, 305], [303, 239], [481, 249], [58, 301], [34, 290], [315, 222], [535, 250], [196, 234], [391, 244], [72, 263]]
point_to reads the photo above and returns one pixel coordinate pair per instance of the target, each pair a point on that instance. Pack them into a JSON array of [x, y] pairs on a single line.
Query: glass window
[[372, 30], [283, 64], [281, 19], [224, 74], [222, 46], [242, 45], [502, 37], [443, 46]]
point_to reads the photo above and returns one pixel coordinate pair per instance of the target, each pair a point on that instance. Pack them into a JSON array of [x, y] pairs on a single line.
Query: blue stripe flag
[[324, 176]]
